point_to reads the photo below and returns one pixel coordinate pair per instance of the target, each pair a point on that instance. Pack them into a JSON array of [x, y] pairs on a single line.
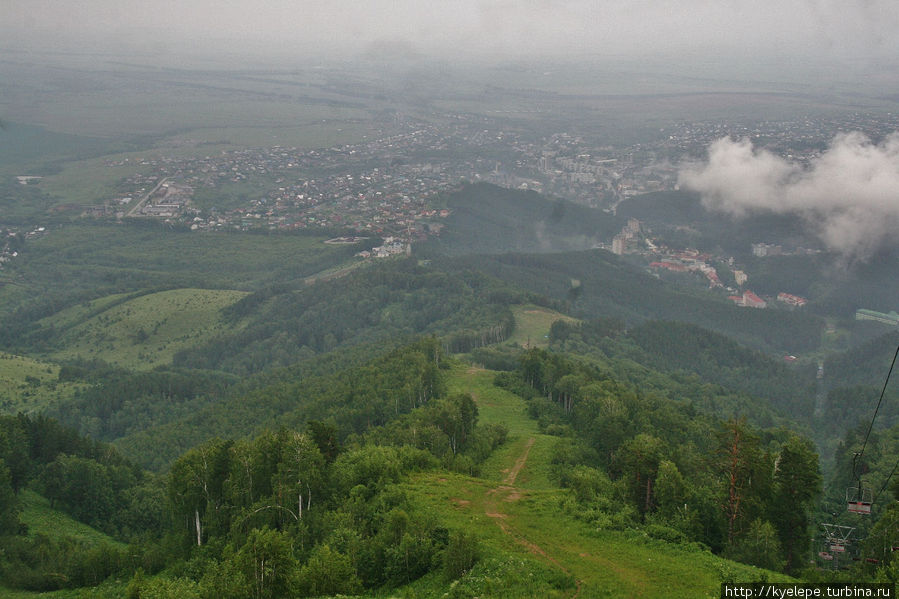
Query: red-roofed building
[[751, 300], [748, 300], [793, 300]]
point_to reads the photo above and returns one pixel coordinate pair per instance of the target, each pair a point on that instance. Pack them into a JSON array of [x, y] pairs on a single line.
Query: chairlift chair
[[859, 500]]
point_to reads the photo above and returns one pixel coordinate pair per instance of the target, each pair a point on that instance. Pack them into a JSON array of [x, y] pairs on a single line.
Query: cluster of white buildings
[[392, 247]]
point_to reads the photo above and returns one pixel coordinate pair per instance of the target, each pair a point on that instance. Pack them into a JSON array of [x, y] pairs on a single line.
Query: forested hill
[[687, 353], [489, 219], [279, 326], [609, 287]]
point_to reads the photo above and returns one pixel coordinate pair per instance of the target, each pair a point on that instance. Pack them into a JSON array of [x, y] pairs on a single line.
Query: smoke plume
[[848, 196]]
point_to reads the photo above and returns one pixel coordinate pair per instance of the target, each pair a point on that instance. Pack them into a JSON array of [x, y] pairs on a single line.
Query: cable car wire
[[861, 452], [876, 410], [886, 482]]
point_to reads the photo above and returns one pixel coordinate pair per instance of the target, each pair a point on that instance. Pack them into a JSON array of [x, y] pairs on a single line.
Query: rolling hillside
[[28, 385], [141, 332]]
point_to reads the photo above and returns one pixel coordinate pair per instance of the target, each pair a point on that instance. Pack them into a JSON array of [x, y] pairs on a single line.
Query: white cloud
[[849, 196]]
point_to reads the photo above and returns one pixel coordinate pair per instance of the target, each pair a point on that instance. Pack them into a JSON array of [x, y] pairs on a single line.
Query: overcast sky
[[841, 30]]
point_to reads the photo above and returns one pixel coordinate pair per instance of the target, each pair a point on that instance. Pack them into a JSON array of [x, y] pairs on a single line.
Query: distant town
[[390, 186]]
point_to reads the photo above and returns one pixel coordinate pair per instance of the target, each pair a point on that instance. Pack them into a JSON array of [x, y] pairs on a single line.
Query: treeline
[[112, 404], [280, 325], [637, 458], [154, 416], [485, 218], [122, 402], [851, 387], [605, 344], [864, 364], [354, 398], [464, 341], [318, 517]]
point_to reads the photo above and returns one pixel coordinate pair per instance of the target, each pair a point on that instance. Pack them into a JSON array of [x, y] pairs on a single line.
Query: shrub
[[461, 554]]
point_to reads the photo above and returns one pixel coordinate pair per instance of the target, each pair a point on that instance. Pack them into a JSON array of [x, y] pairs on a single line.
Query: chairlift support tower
[[836, 537]]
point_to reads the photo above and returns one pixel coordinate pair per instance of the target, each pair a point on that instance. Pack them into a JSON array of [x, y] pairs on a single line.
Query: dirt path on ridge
[[519, 463], [507, 493]]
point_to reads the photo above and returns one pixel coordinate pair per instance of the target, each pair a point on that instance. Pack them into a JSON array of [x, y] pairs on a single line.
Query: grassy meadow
[[146, 331], [532, 325], [29, 385], [88, 182]]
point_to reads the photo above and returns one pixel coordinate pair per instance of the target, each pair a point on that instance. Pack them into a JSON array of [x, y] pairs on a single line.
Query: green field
[[316, 133], [88, 182], [228, 195], [146, 331], [532, 325]]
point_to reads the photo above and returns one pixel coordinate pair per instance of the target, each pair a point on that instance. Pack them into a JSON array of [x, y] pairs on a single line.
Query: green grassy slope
[[531, 546], [41, 519], [44, 520], [532, 325], [28, 385], [64, 272], [143, 332]]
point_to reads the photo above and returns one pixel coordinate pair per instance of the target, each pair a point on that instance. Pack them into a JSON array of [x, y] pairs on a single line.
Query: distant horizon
[[690, 67], [799, 40]]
